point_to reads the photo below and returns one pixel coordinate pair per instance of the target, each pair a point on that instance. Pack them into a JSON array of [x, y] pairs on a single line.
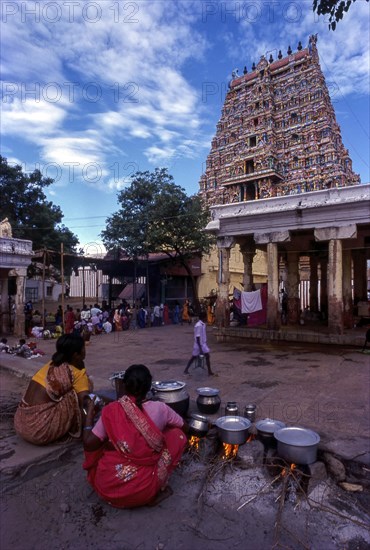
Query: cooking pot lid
[[269, 425], [208, 392], [168, 385], [233, 423], [199, 417], [301, 437]]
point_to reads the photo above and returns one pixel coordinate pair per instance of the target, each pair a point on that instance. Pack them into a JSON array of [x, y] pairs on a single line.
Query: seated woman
[[51, 406], [135, 445]]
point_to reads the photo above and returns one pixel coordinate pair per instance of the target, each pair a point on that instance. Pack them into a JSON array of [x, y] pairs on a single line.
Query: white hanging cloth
[[251, 301]]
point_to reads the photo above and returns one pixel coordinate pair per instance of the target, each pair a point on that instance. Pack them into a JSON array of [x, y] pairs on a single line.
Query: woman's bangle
[[88, 428]]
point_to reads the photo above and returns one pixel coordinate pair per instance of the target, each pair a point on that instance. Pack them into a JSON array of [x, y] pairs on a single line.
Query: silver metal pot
[[231, 409], [233, 429], [198, 425], [173, 393], [298, 445], [267, 427]]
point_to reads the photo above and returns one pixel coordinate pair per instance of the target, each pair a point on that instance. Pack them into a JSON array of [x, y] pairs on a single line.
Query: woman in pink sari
[[135, 445]]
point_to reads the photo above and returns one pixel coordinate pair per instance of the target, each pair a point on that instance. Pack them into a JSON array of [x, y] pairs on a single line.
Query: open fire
[[194, 442], [229, 451], [288, 469]]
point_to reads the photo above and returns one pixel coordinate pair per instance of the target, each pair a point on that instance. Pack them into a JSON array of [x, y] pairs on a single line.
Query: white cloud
[[344, 53], [31, 119], [136, 67]]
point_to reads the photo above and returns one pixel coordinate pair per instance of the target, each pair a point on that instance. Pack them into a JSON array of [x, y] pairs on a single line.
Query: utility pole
[[62, 270]]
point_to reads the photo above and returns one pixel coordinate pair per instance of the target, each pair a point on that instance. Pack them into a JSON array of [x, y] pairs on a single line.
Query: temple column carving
[[272, 240], [4, 305], [314, 279], [335, 235], [273, 318], [347, 290], [222, 310], [21, 274], [335, 287], [248, 251], [293, 287]]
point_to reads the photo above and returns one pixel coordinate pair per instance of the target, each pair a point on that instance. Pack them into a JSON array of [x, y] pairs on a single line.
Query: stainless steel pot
[[198, 425], [298, 445], [233, 429], [208, 400], [231, 409], [250, 412], [173, 393], [267, 427]]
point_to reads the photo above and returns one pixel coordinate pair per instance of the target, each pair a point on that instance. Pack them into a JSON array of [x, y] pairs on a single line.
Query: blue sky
[[93, 91]]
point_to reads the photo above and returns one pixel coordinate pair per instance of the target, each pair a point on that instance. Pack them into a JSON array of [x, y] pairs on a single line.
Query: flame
[[252, 437], [286, 471], [230, 451], [194, 442]]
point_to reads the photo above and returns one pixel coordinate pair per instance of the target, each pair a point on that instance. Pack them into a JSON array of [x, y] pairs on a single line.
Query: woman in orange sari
[[135, 445], [52, 405]]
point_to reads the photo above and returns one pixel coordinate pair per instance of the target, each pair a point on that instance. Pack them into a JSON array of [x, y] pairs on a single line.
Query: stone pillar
[[19, 320], [222, 310], [324, 287], [248, 250], [347, 290], [359, 276], [335, 300], [273, 318], [314, 280], [293, 287], [283, 271], [271, 239], [335, 287], [4, 304]]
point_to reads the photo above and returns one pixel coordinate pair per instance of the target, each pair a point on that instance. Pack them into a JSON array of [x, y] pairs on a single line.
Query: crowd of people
[[96, 319]]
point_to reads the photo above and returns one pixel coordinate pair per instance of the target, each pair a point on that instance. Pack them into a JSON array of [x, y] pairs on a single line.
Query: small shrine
[[15, 257]]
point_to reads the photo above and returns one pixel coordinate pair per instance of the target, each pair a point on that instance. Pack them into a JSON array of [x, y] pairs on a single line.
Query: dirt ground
[[215, 505]]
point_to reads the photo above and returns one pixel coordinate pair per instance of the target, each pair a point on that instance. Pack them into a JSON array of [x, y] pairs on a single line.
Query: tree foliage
[[334, 8], [30, 214], [156, 215]]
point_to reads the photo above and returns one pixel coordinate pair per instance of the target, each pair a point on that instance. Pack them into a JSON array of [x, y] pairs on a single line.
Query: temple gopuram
[[279, 179]]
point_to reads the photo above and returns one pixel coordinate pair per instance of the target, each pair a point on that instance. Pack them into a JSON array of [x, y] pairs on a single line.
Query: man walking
[[200, 344]]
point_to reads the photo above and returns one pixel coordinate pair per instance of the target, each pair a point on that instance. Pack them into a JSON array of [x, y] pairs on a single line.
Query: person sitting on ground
[[4, 345], [51, 407], [23, 350], [134, 446]]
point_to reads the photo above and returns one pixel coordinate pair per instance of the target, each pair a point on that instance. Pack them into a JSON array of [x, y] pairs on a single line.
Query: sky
[[93, 91]]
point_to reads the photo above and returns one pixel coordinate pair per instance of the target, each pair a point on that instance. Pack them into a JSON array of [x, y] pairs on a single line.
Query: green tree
[[334, 8], [156, 215], [30, 214]]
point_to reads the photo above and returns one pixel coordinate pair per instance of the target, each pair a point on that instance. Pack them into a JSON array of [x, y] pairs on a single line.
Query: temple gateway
[[279, 179]]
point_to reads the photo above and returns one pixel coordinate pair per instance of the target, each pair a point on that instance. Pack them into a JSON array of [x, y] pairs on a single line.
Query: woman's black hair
[[67, 345], [138, 381]]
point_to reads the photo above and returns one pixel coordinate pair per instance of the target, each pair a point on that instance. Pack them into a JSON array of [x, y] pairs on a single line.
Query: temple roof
[[274, 66]]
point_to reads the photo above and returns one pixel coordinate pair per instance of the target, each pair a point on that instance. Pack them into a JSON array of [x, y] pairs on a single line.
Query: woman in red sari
[[135, 445], [69, 321]]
